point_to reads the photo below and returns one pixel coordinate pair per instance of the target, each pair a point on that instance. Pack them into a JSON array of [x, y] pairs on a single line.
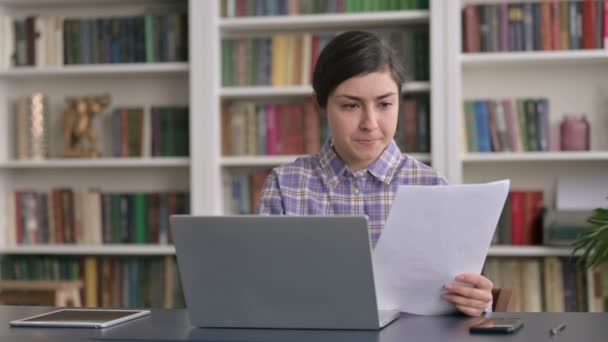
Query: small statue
[[78, 124]]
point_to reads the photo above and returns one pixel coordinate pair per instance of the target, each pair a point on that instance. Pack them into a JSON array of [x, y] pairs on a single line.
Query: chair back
[[501, 299]]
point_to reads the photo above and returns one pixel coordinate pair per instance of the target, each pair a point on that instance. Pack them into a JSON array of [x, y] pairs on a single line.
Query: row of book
[[289, 59], [413, 133], [246, 8], [520, 222], [242, 190], [166, 129], [508, 125], [110, 282], [250, 128], [90, 217], [540, 26], [550, 284], [55, 41]]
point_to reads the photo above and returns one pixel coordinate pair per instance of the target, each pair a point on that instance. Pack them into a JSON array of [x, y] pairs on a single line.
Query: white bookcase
[[573, 81], [138, 84], [210, 93]]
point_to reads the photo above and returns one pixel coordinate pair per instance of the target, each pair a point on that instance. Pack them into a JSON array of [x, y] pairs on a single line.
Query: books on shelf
[[242, 191], [289, 59], [562, 227], [508, 125], [32, 127], [257, 128], [247, 8], [108, 281], [250, 128], [161, 132], [44, 41], [66, 216], [549, 284], [520, 222], [413, 133], [535, 26]]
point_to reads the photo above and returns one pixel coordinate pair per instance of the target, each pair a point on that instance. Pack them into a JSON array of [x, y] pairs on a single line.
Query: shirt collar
[[383, 168]]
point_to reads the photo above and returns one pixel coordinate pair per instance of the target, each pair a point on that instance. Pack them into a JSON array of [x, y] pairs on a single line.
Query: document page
[[432, 234]]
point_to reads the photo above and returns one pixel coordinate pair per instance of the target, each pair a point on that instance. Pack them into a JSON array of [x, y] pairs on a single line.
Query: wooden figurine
[[78, 125]]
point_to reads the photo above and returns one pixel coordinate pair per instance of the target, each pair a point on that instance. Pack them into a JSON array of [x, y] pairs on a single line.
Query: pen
[[557, 329]]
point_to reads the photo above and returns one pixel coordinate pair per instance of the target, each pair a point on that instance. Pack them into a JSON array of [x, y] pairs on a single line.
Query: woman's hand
[[473, 300]]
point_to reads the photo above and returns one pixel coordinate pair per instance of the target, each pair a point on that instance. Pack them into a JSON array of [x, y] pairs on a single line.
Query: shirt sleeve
[[271, 202]]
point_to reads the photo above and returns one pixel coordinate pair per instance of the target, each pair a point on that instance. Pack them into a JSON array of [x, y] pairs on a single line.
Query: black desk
[[173, 325]]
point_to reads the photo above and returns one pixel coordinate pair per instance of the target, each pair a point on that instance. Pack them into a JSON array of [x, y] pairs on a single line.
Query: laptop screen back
[[276, 271]]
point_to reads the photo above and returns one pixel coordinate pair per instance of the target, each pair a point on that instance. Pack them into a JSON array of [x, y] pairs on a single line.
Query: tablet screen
[[94, 316]]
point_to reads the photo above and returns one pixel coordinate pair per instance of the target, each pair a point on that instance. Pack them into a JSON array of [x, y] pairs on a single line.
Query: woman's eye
[[385, 105], [349, 106]]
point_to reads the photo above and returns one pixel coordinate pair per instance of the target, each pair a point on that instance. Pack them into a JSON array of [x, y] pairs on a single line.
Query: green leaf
[[594, 243]]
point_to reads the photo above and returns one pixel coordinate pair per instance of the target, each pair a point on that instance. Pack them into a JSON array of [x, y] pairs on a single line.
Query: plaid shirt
[[322, 184]]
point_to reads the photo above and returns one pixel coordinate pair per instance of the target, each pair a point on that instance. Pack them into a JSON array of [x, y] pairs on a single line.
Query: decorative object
[[32, 127], [78, 125], [574, 133]]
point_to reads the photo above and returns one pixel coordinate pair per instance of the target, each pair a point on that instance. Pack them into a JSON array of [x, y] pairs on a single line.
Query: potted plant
[[594, 242]]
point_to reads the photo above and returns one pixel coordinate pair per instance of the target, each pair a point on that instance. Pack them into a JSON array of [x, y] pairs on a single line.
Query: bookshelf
[[129, 85], [257, 92], [324, 21], [118, 249], [109, 70], [574, 81], [564, 58], [244, 27], [59, 163], [246, 161], [85, 250], [113, 249], [535, 157]]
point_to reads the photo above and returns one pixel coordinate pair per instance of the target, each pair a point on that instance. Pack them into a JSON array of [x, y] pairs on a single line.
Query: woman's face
[[362, 114]]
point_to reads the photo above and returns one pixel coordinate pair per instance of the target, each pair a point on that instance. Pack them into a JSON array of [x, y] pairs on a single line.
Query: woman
[[357, 86]]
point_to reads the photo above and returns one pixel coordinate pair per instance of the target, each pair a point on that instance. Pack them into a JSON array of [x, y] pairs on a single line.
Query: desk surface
[[174, 325]]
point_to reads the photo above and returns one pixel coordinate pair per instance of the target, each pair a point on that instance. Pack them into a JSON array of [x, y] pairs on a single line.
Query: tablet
[[80, 318]]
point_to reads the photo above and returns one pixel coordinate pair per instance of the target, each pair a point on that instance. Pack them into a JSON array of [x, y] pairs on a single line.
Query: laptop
[[299, 272]]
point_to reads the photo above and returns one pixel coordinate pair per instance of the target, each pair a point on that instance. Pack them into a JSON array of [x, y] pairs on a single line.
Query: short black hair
[[349, 54]]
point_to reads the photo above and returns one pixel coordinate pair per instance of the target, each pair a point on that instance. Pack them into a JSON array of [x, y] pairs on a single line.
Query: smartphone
[[497, 326]]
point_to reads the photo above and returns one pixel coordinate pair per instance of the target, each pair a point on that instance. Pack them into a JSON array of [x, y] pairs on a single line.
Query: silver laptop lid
[[276, 271]]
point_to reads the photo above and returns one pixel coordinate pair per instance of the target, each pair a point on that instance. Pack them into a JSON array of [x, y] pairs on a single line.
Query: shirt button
[[356, 191]]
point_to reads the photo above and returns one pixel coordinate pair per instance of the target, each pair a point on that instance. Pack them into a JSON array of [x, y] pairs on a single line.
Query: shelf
[[247, 161], [535, 156], [533, 57], [97, 69], [59, 3], [528, 251], [97, 163], [322, 21], [135, 249], [301, 90], [110, 249]]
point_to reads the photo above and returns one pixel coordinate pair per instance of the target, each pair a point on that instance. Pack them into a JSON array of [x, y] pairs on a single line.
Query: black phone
[[497, 326]]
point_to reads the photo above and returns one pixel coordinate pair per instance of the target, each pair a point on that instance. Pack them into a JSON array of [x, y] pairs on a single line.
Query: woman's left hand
[[470, 300]]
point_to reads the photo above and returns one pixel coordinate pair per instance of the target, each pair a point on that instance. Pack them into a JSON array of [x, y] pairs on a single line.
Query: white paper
[[432, 234]]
